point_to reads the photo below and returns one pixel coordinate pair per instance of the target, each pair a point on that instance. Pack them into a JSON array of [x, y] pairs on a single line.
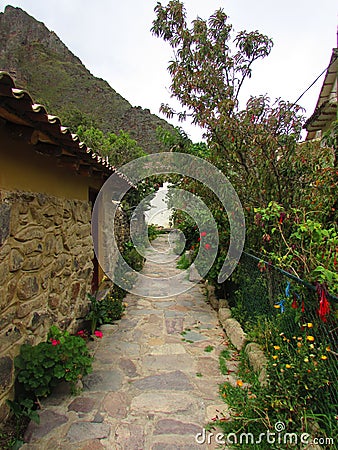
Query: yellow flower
[[323, 357], [239, 383], [306, 359], [288, 366], [274, 356], [328, 349], [276, 306], [276, 347], [310, 338], [310, 325]]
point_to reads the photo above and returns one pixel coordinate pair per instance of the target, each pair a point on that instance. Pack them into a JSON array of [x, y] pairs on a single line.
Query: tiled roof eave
[[18, 108], [322, 114]]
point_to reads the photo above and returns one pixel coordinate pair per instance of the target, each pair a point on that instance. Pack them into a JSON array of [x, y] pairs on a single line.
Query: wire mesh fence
[[258, 290]]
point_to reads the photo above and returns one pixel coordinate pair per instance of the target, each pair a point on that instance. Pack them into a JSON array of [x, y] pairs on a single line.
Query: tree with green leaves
[[209, 68], [255, 146], [120, 148]]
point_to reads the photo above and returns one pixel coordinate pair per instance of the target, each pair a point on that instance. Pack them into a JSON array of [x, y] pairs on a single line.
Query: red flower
[[54, 341], [98, 334], [207, 246], [204, 233]]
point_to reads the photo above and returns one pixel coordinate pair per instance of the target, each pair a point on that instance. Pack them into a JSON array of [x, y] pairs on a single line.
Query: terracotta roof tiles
[[18, 107]]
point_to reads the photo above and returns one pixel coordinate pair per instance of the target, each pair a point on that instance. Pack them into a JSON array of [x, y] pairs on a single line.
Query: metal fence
[[257, 290]]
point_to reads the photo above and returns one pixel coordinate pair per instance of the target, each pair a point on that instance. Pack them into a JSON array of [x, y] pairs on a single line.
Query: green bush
[[62, 358], [104, 311], [153, 232], [183, 263], [297, 392], [132, 256]]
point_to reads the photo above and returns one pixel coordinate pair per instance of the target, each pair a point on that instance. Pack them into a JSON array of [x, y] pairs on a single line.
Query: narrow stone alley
[[153, 386]]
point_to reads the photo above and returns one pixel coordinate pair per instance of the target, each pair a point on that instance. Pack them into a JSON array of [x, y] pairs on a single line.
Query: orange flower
[[288, 366], [323, 357], [276, 347], [239, 383], [274, 356], [310, 338]]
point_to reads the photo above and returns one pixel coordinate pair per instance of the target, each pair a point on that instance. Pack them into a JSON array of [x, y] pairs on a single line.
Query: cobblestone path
[[153, 387]]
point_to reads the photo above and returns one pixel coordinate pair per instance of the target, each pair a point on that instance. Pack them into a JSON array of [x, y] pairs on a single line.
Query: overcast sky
[[113, 40]]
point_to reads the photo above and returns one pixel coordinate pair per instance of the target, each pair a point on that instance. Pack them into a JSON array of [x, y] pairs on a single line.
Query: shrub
[[153, 232], [104, 311], [62, 358], [183, 263], [297, 393]]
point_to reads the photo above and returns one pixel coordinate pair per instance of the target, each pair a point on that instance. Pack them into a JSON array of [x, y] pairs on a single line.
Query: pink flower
[[80, 332], [55, 341], [204, 233], [207, 246], [98, 334]]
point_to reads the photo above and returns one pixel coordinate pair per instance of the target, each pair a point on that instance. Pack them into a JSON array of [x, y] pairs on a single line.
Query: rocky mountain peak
[[42, 64]]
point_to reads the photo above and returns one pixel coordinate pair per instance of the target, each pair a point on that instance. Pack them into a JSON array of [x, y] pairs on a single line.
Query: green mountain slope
[[40, 63]]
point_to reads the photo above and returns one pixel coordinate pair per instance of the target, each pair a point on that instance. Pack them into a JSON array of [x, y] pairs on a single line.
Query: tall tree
[[210, 65]]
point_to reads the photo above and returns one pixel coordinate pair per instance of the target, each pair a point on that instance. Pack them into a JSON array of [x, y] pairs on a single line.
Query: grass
[[209, 349], [224, 356]]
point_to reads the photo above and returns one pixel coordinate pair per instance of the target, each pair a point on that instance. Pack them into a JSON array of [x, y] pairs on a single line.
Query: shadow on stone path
[[153, 387]]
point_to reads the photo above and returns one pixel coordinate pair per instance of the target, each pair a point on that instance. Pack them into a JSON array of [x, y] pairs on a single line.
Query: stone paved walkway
[[153, 386]]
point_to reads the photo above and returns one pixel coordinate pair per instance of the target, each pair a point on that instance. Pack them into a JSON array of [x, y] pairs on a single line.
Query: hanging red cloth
[[324, 305]]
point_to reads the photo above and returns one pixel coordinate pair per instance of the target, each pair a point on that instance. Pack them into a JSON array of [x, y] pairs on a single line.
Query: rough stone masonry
[[46, 268]]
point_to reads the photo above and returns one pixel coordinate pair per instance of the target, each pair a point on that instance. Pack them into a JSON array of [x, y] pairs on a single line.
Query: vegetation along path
[[155, 381]]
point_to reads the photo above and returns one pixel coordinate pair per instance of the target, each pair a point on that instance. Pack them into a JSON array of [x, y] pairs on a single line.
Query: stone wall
[[46, 270]]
